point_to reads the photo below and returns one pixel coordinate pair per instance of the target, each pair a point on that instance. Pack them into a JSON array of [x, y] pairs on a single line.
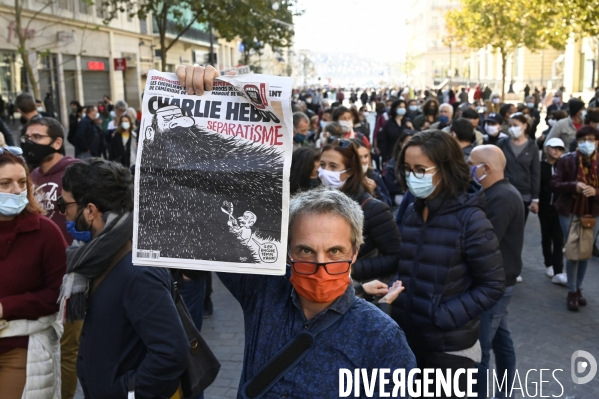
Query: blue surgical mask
[[112, 114], [13, 204], [413, 108], [586, 148], [400, 111], [323, 124], [83, 236], [421, 188], [444, 119], [530, 105]]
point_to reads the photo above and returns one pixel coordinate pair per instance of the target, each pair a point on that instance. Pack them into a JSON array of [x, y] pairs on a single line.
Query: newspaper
[[212, 175]]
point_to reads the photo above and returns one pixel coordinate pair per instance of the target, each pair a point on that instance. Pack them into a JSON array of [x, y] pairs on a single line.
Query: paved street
[[545, 333]]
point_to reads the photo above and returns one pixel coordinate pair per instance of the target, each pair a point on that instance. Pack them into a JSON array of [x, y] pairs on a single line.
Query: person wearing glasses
[[341, 169], [33, 262], [576, 180], [449, 260], [42, 145], [325, 233], [523, 168], [132, 338]]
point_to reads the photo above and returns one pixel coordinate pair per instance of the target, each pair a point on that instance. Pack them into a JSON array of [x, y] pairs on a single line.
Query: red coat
[[32, 264]]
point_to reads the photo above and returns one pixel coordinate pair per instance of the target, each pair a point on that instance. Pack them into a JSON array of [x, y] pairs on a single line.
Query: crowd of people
[[407, 235]]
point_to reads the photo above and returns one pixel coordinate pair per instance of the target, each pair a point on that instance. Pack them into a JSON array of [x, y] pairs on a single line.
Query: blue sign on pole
[[241, 48]]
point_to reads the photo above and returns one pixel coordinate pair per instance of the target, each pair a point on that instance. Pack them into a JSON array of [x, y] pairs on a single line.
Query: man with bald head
[[505, 212]]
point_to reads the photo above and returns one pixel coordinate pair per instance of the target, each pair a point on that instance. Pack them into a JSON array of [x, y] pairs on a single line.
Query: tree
[[505, 26], [22, 28], [251, 20]]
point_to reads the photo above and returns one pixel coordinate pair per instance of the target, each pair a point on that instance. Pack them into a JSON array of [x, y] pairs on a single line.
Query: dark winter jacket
[[381, 193], [506, 214], [132, 328], [379, 254], [393, 188], [564, 182], [89, 137], [452, 269], [388, 137], [120, 152], [523, 172]]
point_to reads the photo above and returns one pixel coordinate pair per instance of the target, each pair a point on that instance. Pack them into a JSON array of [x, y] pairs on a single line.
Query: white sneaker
[[549, 271], [560, 278], [519, 279]]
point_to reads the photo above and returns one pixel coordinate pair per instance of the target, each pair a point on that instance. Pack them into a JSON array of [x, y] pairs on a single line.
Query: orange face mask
[[320, 287]]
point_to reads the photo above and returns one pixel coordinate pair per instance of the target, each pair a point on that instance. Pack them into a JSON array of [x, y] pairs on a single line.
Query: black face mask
[[35, 153]]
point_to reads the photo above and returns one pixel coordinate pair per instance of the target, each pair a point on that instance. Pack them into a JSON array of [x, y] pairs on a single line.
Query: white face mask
[[492, 130], [346, 126], [515, 131], [40, 109], [331, 179], [364, 168], [125, 125], [551, 122], [496, 100]]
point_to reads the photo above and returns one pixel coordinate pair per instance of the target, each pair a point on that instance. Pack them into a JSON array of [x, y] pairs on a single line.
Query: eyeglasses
[[12, 149], [62, 206], [332, 268], [418, 172], [592, 141], [33, 137]]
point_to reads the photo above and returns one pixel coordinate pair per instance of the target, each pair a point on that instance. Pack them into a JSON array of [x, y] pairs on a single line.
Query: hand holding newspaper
[[212, 174]]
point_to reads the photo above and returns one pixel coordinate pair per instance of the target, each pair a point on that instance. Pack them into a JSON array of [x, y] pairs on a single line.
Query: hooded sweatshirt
[[49, 188]]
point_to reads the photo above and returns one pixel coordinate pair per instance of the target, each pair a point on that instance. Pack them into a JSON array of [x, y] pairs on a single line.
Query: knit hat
[[574, 106]]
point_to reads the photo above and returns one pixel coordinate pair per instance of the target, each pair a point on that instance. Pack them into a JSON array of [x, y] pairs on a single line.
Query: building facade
[[73, 52]]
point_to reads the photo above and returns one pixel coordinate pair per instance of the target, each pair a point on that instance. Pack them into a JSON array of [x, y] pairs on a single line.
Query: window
[[100, 11], [84, 7], [65, 4], [143, 26]]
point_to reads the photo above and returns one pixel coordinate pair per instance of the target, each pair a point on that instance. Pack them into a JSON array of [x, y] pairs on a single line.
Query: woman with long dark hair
[[449, 262], [372, 177], [392, 130], [304, 169], [341, 169], [124, 142]]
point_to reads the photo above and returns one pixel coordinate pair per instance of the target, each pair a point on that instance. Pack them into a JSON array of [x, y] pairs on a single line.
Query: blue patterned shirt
[[364, 337]]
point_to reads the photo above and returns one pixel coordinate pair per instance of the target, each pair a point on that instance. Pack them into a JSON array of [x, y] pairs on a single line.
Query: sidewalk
[[545, 333]]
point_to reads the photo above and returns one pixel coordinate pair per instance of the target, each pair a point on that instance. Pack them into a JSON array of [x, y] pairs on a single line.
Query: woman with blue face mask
[[393, 129], [124, 142], [341, 169], [449, 261], [577, 181], [32, 264]]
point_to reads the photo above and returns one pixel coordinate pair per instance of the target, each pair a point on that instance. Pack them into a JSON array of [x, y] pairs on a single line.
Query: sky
[[372, 28]]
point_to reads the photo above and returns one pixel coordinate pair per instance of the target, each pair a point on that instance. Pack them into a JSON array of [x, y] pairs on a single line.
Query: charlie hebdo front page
[[212, 175]]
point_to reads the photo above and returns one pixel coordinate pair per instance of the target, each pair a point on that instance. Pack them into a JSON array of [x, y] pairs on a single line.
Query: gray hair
[[448, 106], [121, 105], [298, 117], [328, 201]]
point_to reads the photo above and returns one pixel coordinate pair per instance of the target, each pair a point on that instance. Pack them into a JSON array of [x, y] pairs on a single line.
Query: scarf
[[86, 261], [587, 174]]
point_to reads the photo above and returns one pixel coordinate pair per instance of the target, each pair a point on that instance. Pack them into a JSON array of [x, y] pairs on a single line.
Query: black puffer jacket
[[452, 270], [379, 255]]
